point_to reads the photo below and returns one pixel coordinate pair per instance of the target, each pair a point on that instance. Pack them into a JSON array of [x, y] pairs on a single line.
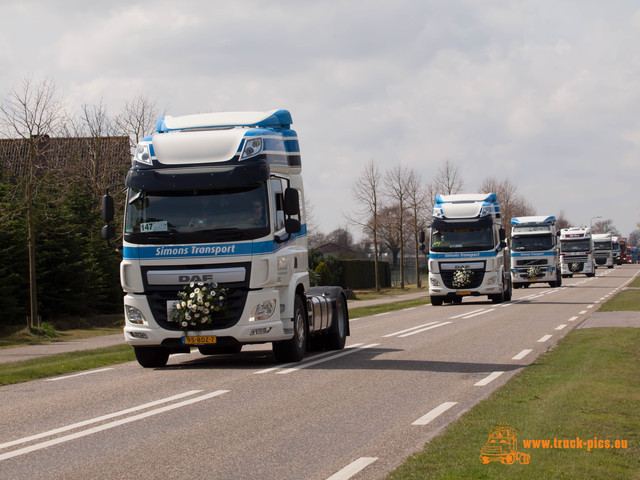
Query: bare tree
[[417, 205], [562, 221], [31, 112], [367, 194], [138, 118], [396, 188], [605, 226], [512, 204], [448, 180]]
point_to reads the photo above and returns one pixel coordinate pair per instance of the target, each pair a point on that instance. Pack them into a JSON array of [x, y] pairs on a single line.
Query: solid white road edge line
[[98, 419], [107, 426], [310, 364]]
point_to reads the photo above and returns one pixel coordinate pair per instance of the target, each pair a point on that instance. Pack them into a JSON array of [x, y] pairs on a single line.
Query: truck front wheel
[[293, 350], [152, 357]]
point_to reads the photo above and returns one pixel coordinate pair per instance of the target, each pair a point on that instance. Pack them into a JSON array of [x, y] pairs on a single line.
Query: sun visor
[[482, 222]]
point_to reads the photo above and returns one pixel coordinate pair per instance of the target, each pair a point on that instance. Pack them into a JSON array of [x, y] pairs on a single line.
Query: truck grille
[[158, 295], [476, 278], [528, 263]]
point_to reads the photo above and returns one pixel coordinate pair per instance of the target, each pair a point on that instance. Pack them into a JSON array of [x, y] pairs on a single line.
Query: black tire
[[337, 336], [152, 357], [293, 350], [457, 300], [436, 301], [509, 293]]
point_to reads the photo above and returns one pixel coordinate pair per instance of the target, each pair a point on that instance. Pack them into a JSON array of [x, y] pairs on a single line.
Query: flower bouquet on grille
[[575, 267], [198, 303], [462, 278], [533, 272]]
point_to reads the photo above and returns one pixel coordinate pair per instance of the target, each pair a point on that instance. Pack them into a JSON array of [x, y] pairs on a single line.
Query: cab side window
[[278, 186]]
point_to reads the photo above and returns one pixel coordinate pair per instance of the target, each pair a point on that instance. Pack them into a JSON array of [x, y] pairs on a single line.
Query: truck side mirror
[[291, 209], [422, 237], [292, 225], [291, 202], [108, 232], [107, 208], [503, 234]]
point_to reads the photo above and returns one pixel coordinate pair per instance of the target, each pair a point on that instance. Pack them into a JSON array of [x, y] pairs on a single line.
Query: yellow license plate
[[464, 292], [199, 340]]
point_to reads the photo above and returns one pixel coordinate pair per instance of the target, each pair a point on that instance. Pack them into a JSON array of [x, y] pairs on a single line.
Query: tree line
[[54, 167]]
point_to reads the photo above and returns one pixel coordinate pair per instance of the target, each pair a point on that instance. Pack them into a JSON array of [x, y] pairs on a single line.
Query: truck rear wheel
[[337, 337], [152, 357], [293, 350]]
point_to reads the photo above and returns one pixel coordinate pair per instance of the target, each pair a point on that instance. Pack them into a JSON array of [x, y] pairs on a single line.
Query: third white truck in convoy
[[603, 253], [576, 252], [535, 251], [468, 255]]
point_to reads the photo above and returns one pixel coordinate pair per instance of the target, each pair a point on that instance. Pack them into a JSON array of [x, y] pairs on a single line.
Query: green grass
[[589, 386], [66, 363]]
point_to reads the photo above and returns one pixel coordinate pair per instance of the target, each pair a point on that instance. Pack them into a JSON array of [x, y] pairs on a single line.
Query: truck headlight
[[263, 310], [252, 147], [134, 315], [143, 154], [434, 282]]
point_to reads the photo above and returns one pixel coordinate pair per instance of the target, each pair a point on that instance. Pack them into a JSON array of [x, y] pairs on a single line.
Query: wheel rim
[[300, 334]]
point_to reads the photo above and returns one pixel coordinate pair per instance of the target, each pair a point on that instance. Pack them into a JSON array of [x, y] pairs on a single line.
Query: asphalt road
[[357, 413]]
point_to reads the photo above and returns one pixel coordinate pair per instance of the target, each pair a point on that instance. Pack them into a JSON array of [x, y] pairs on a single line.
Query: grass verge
[[589, 386], [65, 363]]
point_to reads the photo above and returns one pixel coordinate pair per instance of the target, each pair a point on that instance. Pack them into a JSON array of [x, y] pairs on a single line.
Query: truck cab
[[603, 250], [576, 252], [468, 254], [215, 205], [535, 251]]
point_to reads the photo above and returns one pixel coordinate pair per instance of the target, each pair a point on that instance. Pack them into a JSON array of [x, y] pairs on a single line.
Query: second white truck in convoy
[[215, 246], [535, 251], [603, 253], [576, 252], [468, 254]]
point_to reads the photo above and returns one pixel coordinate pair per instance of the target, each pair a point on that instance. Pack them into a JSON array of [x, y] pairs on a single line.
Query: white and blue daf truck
[[535, 251], [576, 252], [214, 242], [468, 254]]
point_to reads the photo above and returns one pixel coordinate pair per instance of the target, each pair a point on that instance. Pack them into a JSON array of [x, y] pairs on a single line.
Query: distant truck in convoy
[[576, 252], [215, 245], [603, 250], [615, 241], [535, 251], [468, 254], [623, 249]]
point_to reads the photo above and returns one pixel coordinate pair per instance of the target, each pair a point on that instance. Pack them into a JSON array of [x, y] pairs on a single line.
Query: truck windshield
[[602, 245], [196, 216], [531, 242], [575, 246], [462, 239]]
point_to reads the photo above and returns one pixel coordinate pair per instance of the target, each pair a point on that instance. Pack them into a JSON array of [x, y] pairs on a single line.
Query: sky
[[542, 93]]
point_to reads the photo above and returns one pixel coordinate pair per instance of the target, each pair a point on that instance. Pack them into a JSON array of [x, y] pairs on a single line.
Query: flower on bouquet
[[462, 278], [197, 303]]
